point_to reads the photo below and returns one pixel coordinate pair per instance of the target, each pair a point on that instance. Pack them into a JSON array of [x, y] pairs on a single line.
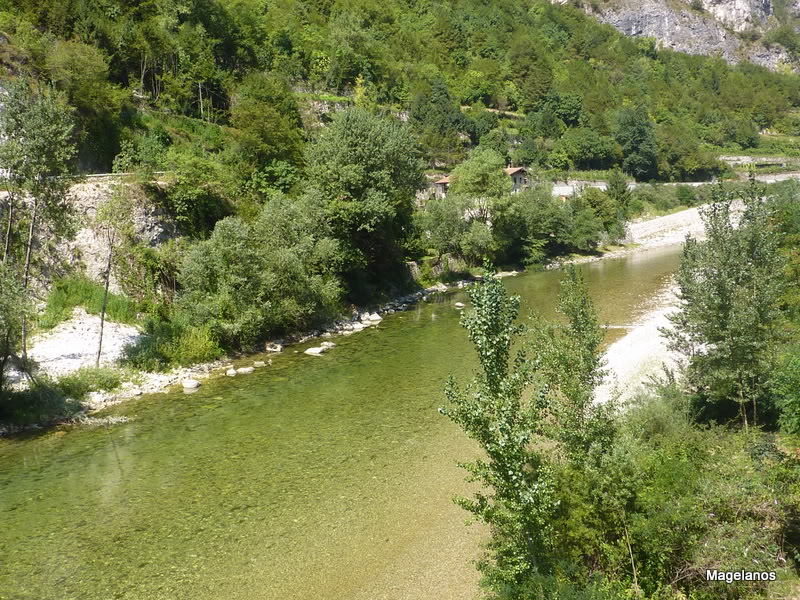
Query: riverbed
[[326, 477]]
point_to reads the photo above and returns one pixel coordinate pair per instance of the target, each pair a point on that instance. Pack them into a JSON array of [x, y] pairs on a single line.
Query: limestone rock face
[[739, 15], [705, 27]]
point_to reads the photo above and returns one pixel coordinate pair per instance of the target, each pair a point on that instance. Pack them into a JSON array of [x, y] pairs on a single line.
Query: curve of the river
[[319, 478]]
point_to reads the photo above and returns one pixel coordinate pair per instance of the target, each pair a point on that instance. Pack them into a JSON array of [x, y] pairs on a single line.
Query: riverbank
[[640, 354], [70, 346]]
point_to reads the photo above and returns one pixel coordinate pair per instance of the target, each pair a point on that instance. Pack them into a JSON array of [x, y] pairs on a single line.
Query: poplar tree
[[730, 287]]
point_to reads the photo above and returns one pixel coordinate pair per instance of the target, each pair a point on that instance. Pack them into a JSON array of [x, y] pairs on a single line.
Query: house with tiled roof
[[518, 175]]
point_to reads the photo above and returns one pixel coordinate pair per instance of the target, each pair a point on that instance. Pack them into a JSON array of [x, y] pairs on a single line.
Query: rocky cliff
[[731, 29]]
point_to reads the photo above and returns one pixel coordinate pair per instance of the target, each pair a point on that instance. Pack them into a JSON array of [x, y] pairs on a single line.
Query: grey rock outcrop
[[710, 31]]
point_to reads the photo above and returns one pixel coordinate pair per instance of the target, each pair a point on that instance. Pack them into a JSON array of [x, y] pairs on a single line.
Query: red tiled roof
[[444, 180], [515, 170]]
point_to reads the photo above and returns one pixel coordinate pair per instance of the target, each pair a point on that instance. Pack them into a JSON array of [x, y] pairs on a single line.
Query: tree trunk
[[7, 244], [25, 278], [200, 93], [105, 300]]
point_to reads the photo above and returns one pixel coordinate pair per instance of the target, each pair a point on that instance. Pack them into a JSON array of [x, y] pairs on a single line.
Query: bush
[[171, 343], [786, 390], [79, 290], [40, 403], [79, 384], [248, 281]]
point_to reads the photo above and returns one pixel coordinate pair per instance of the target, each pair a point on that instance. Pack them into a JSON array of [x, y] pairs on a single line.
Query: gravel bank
[[641, 353]]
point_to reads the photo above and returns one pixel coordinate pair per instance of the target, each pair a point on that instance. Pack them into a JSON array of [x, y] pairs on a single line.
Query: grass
[[79, 290], [78, 385]]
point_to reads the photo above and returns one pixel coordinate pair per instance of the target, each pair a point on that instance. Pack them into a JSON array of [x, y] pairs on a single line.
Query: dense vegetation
[[286, 142], [699, 472], [580, 94]]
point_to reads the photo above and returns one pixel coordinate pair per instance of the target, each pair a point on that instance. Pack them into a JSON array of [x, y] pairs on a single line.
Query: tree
[[114, 222], [443, 223], [37, 130], [570, 362], [270, 276], [364, 171], [482, 179], [13, 308], [520, 408], [500, 411], [729, 290], [617, 189], [637, 138], [269, 127]]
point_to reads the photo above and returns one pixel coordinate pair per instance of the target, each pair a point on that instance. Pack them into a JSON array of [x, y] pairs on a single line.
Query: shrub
[[171, 343], [786, 389], [79, 384], [40, 403]]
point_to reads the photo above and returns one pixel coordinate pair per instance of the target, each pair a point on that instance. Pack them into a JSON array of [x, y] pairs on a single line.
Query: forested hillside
[[591, 97]]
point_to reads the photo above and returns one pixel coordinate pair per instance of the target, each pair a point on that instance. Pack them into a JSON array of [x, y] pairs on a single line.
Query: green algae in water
[[309, 479]]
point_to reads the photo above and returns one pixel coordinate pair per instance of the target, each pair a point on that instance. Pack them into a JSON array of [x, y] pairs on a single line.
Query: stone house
[[518, 175]]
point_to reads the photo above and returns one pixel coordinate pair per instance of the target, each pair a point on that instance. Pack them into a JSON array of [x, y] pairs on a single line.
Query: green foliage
[[786, 388], [14, 305], [267, 119], [191, 197], [637, 138], [78, 290], [42, 403], [729, 288], [618, 192], [496, 411], [363, 172], [248, 281], [167, 344], [79, 384], [481, 176]]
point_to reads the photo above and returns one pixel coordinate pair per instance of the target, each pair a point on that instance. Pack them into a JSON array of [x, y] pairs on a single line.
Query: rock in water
[[375, 317], [328, 345], [191, 384], [231, 372], [259, 363], [315, 351], [459, 305], [245, 370], [273, 347]]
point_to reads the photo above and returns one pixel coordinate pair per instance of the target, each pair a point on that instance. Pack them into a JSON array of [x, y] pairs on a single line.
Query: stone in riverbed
[[459, 305], [259, 363], [231, 372], [190, 384], [375, 317], [245, 370], [328, 345], [317, 351], [274, 347], [358, 326]]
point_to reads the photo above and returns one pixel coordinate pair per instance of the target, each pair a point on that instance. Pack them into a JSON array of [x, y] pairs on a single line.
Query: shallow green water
[[319, 477]]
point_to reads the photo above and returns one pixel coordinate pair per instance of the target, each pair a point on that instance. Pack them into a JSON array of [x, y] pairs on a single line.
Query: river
[[317, 478]]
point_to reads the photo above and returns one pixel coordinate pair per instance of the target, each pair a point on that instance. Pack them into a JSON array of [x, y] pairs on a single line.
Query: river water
[[316, 478]]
